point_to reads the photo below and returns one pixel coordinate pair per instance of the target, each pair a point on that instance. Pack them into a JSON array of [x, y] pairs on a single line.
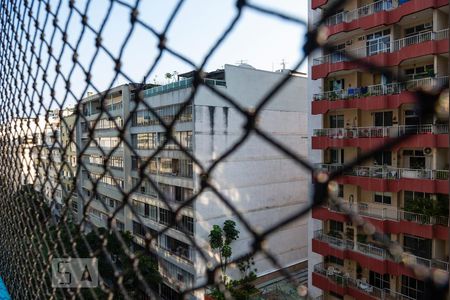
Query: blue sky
[[258, 39]]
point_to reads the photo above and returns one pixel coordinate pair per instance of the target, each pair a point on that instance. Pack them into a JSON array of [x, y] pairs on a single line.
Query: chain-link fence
[[46, 210]]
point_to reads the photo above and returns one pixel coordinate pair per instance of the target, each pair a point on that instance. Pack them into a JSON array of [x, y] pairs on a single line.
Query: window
[[341, 191], [409, 196], [383, 158], [378, 280], [384, 198], [165, 217], [336, 226], [383, 118], [417, 246], [334, 260], [166, 113], [337, 121], [120, 225], [413, 288], [169, 294], [378, 42], [146, 210], [336, 156], [75, 206], [420, 72], [188, 224], [418, 29]]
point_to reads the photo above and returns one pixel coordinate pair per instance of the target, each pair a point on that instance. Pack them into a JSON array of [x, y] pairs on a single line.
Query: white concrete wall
[[261, 182]]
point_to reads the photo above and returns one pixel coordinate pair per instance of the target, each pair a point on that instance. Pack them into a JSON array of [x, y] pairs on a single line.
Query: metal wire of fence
[[30, 237]]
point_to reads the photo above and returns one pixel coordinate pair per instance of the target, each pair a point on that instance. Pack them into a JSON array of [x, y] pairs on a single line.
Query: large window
[[417, 246], [146, 210], [166, 113], [336, 226], [383, 158], [413, 288], [383, 118], [379, 281], [378, 42]]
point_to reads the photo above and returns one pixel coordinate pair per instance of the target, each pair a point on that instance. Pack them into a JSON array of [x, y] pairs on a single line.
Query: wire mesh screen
[[50, 205]]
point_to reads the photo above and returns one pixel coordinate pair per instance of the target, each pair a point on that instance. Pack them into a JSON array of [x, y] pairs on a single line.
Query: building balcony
[[387, 54], [178, 85], [384, 12], [332, 279], [389, 219], [393, 179], [373, 97], [318, 3], [371, 256], [366, 138]]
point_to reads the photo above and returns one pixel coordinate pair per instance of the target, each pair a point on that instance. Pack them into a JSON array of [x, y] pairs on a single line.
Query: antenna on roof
[[283, 64], [242, 61]]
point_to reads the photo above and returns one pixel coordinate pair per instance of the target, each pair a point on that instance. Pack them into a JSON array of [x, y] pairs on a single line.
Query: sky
[[260, 40]]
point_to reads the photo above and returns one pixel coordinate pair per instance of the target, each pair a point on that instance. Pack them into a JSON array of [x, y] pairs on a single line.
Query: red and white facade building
[[354, 110]]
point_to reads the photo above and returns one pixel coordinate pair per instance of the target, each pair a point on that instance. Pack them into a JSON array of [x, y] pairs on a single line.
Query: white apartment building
[[20, 138], [260, 181], [49, 153]]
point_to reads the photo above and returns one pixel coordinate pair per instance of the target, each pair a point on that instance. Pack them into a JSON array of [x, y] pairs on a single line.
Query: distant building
[[261, 182]]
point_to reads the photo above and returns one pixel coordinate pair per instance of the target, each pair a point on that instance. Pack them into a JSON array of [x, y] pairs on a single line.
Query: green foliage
[[243, 288], [220, 240], [231, 233], [216, 238], [427, 207]]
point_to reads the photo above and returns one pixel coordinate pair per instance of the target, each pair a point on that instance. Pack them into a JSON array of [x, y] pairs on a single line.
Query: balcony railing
[[363, 11], [387, 172], [390, 213], [381, 89], [381, 131], [114, 106], [380, 46], [345, 280], [182, 84], [374, 251]]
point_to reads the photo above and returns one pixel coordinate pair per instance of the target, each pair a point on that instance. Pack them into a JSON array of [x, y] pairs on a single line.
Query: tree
[[168, 76], [220, 240]]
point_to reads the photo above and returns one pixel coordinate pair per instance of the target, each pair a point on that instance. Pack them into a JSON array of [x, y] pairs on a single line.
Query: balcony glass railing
[[380, 131], [391, 213], [182, 84], [363, 11], [377, 252], [382, 89], [387, 172], [380, 46]]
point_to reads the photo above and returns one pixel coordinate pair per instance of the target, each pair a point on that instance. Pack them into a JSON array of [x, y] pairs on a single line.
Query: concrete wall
[[257, 179]]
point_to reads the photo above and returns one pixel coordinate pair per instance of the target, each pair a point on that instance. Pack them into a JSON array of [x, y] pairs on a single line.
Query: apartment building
[[403, 192], [69, 157], [52, 172], [20, 138], [257, 179]]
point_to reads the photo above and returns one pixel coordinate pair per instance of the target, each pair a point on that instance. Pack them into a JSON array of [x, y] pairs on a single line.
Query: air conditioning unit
[[428, 25], [362, 38], [427, 151], [349, 42]]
